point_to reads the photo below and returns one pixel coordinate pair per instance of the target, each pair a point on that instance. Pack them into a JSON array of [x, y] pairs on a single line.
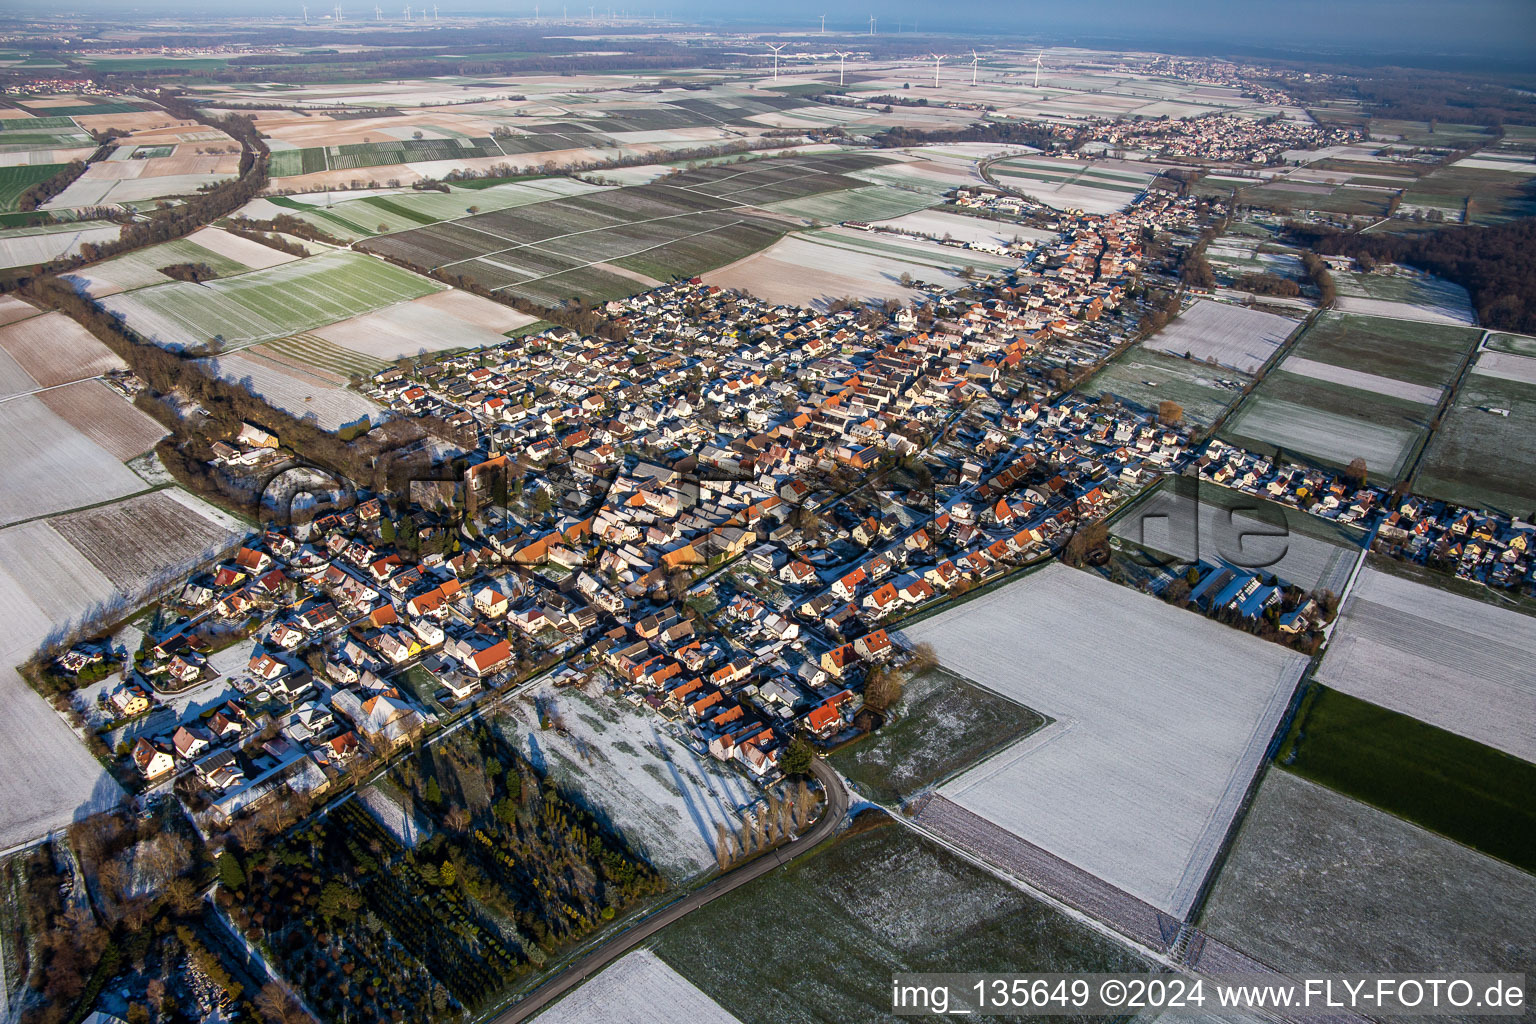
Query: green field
[[16, 180], [1406, 350], [1143, 378], [265, 304], [876, 202], [819, 940], [1448, 784], [1480, 458], [354, 219], [356, 156], [1519, 344], [942, 724]]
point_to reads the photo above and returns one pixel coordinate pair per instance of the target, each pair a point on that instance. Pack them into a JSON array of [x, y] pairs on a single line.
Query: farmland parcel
[[1129, 680], [638, 989], [267, 304], [1460, 664], [1460, 463], [853, 911], [1231, 336], [1318, 881]]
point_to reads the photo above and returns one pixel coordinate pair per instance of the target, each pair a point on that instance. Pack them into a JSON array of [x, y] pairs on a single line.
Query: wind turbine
[[338, 12], [306, 14], [434, 12], [974, 61], [841, 57], [871, 24], [937, 57], [377, 14], [407, 12], [775, 50], [823, 24], [1037, 68]]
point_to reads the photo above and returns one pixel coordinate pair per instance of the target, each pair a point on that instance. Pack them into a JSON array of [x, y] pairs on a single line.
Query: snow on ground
[[1407, 310], [1161, 719], [47, 778], [241, 250], [630, 765], [386, 802], [1232, 335], [443, 320], [1318, 881], [965, 228], [294, 391], [1333, 437], [1507, 366], [1374, 383], [1452, 661], [22, 249], [637, 989], [798, 270], [48, 466]]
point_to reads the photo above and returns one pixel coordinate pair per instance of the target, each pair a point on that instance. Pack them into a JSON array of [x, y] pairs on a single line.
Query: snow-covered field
[[1454, 662], [442, 320], [1438, 314], [1231, 335], [1507, 366], [1375, 383], [39, 245], [663, 796], [295, 391], [637, 989], [965, 228], [1318, 881], [1162, 718], [49, 466], [1332, 437], [241, 250], [54, 349]]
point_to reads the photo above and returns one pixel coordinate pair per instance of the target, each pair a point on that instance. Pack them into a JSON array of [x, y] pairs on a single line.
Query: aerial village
[[723, 518]]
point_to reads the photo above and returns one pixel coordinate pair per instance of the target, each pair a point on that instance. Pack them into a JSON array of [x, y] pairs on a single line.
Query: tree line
[[1497, 265]]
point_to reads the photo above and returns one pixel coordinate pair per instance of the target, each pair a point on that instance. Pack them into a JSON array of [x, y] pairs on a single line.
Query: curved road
[[580, 970]]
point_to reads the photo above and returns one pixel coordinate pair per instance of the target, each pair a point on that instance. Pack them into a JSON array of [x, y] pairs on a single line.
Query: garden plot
[[1243, 339], [104, 417], [1481, 457], [54, 349], [24, 247], [819, 940], [295, 391], [266, 304], [1318, 881], [49, 466], [443, 320], [1454, 662], [942, 724], [1184, 524], [1146, 379], [1161, 722], [629, 765], [637, 989]]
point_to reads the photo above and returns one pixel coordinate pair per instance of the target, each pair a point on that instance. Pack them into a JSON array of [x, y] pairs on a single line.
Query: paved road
[[580, 970]]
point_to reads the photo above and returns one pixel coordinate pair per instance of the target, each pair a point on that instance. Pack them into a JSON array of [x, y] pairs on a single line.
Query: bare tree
[[276, 1006]]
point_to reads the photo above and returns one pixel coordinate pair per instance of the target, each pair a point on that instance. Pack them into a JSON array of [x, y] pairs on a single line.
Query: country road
[[580, 970]]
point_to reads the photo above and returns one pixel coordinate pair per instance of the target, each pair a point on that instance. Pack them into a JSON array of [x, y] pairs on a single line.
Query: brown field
[[131, 542], [105, 417], [56, 350], [144, 120], [13, 309]]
